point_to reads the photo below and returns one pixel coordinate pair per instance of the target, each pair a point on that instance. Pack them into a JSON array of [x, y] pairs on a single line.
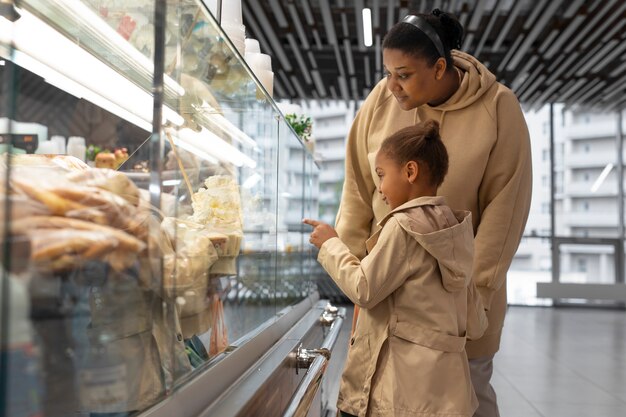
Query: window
[[545, 154], [545, 207], [581, 265]]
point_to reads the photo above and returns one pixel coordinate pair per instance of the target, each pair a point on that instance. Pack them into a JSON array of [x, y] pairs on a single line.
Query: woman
[[483, 129]]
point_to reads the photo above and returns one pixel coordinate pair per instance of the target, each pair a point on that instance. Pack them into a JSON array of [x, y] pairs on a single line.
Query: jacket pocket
[[354, 377], [477, 322], [425, 337]]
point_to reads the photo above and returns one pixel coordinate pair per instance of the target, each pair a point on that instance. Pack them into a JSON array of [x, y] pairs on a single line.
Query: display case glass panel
[[132, 260]]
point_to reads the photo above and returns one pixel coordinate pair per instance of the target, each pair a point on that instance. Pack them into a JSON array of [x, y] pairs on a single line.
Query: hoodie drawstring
[[443, 113]]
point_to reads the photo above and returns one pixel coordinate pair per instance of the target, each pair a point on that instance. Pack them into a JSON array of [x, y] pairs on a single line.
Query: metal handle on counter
[[304, 395]]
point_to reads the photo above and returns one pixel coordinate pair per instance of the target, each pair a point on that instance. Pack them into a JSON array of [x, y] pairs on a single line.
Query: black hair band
[[427, 29]]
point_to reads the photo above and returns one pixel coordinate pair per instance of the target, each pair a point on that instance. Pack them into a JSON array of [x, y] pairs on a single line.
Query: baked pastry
[[106, 160]]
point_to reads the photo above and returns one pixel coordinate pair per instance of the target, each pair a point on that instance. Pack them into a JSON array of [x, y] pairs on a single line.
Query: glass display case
[[152, 197]]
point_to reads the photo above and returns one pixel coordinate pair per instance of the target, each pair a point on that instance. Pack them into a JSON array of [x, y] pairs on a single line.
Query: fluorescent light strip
[[77, 90], [367, 27], [194, 150], [82, 13], [225, 125], [605, 173], [251, 181], [80, 72], [211, 144]]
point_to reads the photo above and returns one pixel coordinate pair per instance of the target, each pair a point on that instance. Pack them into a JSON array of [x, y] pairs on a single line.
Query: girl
[[407, 354]]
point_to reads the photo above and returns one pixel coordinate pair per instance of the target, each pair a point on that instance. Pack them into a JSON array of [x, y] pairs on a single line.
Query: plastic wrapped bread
[[186, 272], [109, 180], [61, 244], [64, 162], [70, 220]]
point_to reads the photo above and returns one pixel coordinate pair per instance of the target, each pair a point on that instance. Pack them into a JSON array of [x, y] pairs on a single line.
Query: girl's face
[[410, 79], [394, 181]]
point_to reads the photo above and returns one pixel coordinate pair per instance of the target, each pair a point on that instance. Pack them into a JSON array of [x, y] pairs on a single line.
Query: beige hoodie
[[485, 133], [407, 356]]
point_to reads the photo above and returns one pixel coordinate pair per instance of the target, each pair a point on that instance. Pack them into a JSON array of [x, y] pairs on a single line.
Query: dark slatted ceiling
[[570, 51]]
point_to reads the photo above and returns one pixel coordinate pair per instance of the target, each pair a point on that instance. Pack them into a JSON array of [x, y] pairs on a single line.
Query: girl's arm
[[379, 274]]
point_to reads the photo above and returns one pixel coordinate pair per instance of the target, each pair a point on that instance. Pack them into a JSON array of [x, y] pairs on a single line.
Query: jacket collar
[[416, 202]]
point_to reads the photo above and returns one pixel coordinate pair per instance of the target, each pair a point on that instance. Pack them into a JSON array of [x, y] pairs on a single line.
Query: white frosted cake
[[218, 207], [219, 204]]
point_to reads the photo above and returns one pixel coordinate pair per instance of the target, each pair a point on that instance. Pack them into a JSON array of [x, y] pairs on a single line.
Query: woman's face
[[394, 183], [410, 79]]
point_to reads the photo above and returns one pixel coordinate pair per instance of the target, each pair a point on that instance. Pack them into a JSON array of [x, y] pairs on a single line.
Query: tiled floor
[[554, 362], [562, 362]]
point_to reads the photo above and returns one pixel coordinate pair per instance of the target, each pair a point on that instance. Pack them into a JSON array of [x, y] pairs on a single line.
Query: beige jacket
[[486, 136], [407, 355]]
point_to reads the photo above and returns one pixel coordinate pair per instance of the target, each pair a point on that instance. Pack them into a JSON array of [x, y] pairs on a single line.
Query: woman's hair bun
[[452, 28], [431, 129]]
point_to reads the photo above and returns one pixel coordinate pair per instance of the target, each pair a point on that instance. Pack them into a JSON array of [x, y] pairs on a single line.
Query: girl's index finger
[[311, 222]]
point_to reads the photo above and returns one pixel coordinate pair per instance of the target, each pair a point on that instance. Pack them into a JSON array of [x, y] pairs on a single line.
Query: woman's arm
[[379, 274], [355, 215], [504, 198]]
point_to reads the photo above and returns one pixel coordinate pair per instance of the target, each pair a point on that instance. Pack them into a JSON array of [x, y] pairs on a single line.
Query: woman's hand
[[321, 232]]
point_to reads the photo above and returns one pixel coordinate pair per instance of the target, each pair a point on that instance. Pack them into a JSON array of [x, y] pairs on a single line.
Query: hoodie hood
[[445, 234], [477, 80]]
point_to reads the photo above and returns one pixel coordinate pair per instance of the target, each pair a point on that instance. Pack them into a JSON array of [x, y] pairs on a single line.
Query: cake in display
[[218, 207]]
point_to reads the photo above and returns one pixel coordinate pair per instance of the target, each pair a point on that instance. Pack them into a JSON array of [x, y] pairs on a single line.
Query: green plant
[[301, 124], [92, 151]]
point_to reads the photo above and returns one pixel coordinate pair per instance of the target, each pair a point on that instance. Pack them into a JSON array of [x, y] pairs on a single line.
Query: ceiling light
[[367, 27]]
